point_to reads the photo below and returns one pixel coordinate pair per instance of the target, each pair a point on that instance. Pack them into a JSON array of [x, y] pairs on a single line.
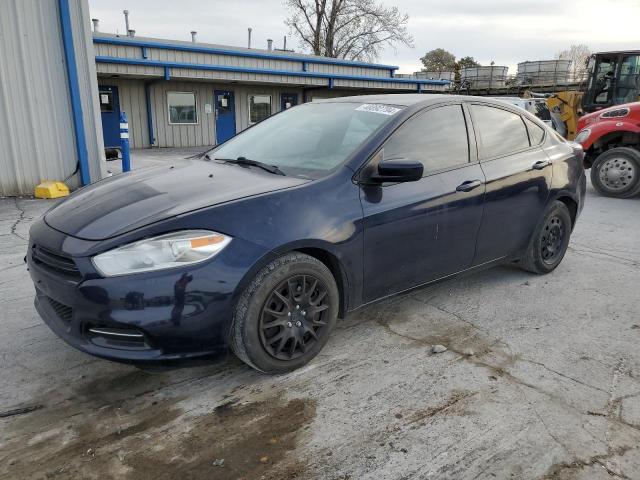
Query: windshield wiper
[[253, 163]]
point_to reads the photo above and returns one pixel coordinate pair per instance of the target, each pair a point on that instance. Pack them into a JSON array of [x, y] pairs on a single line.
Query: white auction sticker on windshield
[[378, 108]]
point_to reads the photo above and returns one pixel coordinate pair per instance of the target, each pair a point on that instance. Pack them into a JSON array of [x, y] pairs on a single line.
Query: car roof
[[410, 99]]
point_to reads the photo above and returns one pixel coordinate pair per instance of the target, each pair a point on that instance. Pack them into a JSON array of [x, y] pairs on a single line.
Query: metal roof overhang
[[166, 65], [238, 53]]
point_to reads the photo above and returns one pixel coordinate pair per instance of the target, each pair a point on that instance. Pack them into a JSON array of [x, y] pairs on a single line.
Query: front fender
[[602, 129]]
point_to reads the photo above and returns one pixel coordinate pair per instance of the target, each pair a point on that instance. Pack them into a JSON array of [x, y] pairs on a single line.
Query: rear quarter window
[[536, 132]]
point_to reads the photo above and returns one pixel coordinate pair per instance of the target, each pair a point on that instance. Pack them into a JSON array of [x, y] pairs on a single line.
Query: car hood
[[596, 117], [129, 201]]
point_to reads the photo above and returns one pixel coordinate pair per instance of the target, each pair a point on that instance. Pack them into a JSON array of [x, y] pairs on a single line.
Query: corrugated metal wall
[[132, 101], [131, 78], [203, 133], [36, 126], [242, 101], [126, 51]]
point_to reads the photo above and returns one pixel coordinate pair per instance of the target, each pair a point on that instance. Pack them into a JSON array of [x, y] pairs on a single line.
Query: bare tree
[[578, 54], [351, 29]]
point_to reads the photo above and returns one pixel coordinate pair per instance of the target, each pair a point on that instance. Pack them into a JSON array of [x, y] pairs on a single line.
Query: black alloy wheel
[[286, 314], [293, 316]]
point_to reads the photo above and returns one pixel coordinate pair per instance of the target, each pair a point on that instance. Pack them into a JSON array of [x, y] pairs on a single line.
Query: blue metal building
[[50, 126], [185, 94]]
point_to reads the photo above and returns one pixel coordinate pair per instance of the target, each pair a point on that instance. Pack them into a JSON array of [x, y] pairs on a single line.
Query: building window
[[106, 101], [182, 107], [259, 108]]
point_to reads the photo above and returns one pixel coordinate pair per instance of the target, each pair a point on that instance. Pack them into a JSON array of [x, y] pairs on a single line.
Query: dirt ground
[[541, 380]]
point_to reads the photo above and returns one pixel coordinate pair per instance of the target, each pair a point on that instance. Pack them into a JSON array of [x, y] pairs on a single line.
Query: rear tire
[[616, 173], [286, 314], [549, 241]]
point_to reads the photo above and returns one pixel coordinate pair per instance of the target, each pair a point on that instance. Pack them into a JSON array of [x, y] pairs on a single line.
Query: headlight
[[166, 251], [583, 135]]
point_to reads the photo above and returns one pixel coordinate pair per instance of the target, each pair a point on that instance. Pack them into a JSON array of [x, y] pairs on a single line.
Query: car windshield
[[309, 140]]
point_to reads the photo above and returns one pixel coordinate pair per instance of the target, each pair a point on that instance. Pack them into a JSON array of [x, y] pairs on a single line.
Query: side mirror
[[398, 170]]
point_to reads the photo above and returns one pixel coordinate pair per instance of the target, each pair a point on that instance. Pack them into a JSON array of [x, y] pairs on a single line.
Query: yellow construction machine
[[613, 79]]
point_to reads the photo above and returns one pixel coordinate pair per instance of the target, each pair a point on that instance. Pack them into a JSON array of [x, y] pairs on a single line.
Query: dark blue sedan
[[262, 243]]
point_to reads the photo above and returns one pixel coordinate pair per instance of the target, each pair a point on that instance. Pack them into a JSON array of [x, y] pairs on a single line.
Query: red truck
[[611, 142]]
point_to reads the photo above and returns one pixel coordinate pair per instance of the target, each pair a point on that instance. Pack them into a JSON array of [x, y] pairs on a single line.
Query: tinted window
[[106, 102], [182, 107], [536, 132], [437, 138], [311, 139], [259, 108], [501, 132]]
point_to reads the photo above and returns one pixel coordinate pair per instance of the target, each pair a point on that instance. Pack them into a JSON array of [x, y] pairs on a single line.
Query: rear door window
[[501, 132], [536, 132], [437, 138]]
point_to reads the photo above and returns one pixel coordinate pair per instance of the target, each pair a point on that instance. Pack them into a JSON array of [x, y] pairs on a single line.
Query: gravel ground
[[540, 380]]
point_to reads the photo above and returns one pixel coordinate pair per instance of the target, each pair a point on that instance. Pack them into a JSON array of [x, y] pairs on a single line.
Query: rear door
[[415, 232], [518, 176]]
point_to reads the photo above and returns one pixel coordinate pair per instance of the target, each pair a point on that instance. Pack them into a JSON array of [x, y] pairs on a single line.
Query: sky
[[503, 31]]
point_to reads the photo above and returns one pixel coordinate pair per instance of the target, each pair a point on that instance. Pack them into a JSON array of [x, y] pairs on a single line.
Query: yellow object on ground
[[51, 189]]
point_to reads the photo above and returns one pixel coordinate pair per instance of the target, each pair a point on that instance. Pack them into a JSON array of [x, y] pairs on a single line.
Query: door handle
[[468, 185], [541, 164]]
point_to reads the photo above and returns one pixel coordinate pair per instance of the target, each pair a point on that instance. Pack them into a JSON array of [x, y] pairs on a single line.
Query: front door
[[110, 113], [518, 175], [225, 115], [416, 232], [288, 100]]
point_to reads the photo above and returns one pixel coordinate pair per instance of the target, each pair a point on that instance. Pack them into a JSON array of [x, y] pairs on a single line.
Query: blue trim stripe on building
[[265, 71], [74, 90], [147, 98], [238, 53]]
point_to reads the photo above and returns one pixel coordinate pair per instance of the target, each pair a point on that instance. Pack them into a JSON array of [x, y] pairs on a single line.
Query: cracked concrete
[[541, 380]]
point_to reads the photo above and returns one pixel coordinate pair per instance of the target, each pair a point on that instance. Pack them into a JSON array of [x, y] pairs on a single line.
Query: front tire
[[549, 241], [616, 173], [286, 314]]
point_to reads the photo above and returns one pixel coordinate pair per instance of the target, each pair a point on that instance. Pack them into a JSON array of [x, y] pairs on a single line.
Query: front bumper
[[165, 315]]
